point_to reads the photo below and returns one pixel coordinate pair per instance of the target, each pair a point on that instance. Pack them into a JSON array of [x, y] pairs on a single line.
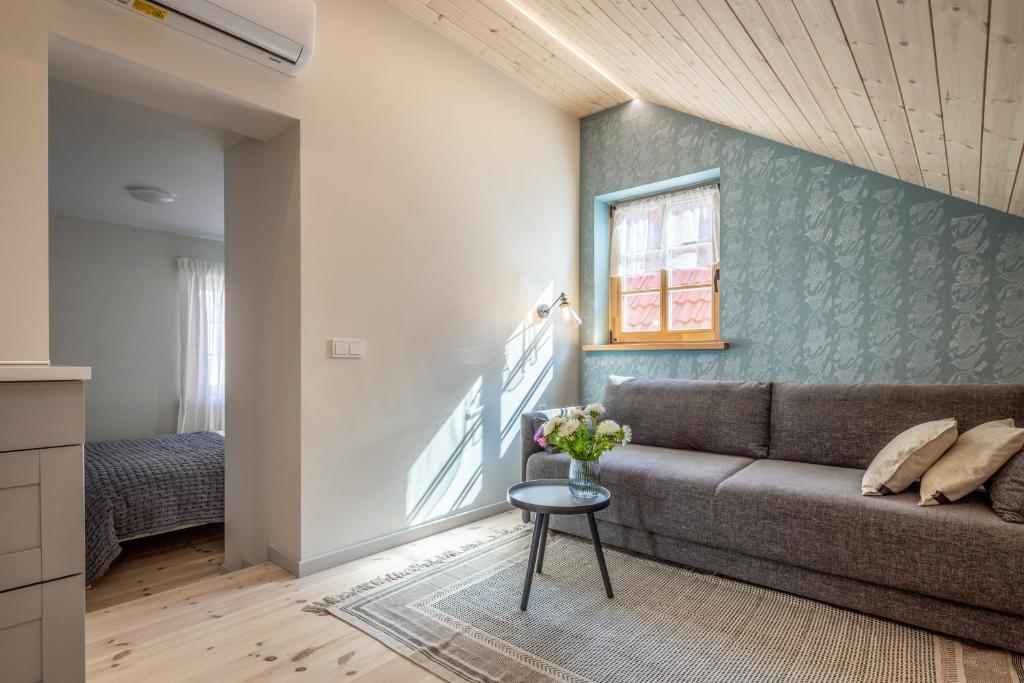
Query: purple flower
[[539, 435]]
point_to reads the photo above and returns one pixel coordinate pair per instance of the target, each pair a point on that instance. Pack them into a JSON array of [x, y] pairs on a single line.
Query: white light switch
[[347, 348]]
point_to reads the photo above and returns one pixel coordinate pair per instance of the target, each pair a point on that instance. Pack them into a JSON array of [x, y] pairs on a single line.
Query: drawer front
[[41, 415], [21, 650], [42, 632], [21, 568], [19, 469], [42, 505], [19, 508]]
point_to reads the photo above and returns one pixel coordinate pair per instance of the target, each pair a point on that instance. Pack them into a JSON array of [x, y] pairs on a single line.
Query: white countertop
[[44, 373]]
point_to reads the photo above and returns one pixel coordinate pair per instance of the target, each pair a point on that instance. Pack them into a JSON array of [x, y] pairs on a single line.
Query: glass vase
[[584, 478]]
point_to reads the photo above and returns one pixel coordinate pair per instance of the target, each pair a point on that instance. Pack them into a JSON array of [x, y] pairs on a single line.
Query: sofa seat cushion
[[662, 490], [814, 516]]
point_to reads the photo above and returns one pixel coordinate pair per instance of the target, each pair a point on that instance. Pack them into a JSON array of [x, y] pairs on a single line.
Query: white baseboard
[[283, 560], [373, 546]]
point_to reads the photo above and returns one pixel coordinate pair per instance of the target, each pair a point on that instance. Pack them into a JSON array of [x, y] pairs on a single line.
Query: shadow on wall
[[484, 425]]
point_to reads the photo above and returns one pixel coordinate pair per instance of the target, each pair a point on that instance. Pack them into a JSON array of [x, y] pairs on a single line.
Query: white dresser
[[42, 538]]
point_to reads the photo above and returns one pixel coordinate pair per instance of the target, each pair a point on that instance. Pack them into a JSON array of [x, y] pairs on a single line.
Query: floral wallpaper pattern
[[829, 273]]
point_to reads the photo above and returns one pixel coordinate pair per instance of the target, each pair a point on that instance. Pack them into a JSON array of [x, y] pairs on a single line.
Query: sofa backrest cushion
[[848, 424], [720, 417]]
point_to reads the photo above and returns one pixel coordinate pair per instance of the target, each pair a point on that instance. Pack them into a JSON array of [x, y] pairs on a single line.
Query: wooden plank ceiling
[[928, 91]]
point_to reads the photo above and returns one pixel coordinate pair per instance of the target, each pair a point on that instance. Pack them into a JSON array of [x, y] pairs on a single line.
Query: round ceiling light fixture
[[151, 195]]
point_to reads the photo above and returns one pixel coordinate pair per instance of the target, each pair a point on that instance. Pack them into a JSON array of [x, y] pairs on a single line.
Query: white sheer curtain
[[201, 320], [673, 232]]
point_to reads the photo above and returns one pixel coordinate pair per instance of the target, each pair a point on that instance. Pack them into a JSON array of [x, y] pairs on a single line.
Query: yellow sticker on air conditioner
[[149, 10]]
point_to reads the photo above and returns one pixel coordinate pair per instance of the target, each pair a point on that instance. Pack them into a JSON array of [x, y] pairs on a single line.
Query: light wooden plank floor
[[249, 625], [155, 564]]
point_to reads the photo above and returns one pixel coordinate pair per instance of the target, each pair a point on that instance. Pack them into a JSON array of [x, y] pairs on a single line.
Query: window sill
[[659, 346]]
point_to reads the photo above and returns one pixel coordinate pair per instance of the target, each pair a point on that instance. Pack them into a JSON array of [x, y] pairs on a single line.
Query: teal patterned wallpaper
[[829, 273]]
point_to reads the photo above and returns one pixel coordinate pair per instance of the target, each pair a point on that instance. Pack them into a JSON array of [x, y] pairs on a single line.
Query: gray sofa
[[761, 482]]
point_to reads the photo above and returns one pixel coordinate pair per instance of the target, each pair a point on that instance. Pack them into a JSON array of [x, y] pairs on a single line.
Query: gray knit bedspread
[[137, 487]]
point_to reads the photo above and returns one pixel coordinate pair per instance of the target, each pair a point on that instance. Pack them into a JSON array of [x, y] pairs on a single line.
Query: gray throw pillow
[[1006, 489]]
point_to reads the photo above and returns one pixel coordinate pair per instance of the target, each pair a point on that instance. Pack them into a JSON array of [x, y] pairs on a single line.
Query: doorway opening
[[146, 207]]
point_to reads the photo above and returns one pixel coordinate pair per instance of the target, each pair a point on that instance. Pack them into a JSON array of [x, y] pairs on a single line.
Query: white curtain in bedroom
[[201, 319]]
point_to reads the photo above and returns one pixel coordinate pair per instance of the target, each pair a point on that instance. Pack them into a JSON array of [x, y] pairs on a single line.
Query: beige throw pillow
[[975, 457], [907, 457]]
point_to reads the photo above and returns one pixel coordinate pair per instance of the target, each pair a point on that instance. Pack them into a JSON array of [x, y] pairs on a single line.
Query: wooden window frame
[[663, 335]]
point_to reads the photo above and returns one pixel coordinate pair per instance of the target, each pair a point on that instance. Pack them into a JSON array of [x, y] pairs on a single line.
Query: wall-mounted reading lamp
[[568, 312]]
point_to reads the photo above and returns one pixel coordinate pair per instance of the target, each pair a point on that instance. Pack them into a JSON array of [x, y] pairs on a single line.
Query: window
[[213, 303], [201, 320], [665, 268]]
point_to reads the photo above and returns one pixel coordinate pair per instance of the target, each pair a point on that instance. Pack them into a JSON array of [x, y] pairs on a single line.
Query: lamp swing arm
[[562, 301], [544, 310]]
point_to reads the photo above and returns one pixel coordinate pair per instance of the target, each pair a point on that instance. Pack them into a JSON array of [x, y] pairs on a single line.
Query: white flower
[[577, 414], [628, 434], [607, 428], [569, 427], [594, 409], [550, 425]]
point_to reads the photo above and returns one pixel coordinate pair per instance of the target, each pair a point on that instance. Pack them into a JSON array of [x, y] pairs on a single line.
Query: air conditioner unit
[[276, 33]]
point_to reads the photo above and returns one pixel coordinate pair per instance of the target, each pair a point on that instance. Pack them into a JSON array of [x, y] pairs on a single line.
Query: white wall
[[24, 316], [114, 307], [438, 205], [452, 205], [262, 222]]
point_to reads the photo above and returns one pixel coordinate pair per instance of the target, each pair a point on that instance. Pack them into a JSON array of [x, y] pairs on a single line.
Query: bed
[[151, 485]]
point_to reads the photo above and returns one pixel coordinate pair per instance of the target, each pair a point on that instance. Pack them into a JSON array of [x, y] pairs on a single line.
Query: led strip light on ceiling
[[572, 48]]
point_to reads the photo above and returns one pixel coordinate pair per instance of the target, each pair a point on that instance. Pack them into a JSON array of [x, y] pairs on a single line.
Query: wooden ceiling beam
[[647, 17], [656, 50], [790, 29], [908, 28], [444, 26], [457, 13], [666, 15], [1003, 133], [823, 28], [527, 27], [760, 29], [865, 34], [566, 25], [721, 14], [705, 38], [960, 29], [591, 21]]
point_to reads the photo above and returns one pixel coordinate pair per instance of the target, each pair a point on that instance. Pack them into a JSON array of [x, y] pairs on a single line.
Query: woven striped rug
[[458, 616]]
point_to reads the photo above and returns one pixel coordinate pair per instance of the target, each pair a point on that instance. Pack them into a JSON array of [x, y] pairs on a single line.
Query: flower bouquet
[[580, 436]]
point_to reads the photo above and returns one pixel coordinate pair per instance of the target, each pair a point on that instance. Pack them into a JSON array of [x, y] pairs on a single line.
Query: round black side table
[[547, 497]]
